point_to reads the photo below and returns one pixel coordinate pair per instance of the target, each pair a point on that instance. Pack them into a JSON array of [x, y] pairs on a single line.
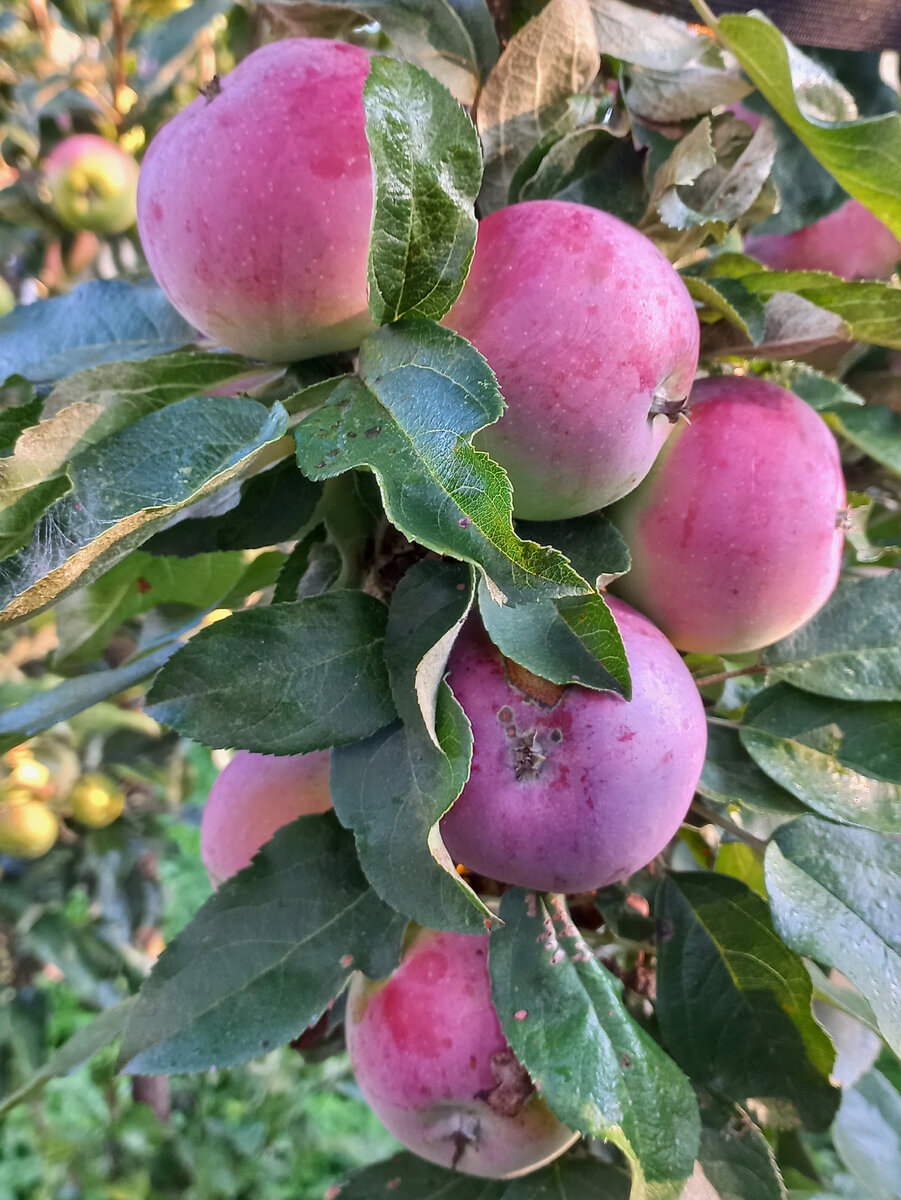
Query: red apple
[[590, 331], [433, 1064], [255, 202], [254, 796], [735, 535], [573, 789], [850, 242]]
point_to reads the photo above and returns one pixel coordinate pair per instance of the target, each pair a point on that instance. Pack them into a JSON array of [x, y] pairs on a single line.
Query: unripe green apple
[[736, 535], [93, 184], [254, 796], [255, 203], [432, 1062]]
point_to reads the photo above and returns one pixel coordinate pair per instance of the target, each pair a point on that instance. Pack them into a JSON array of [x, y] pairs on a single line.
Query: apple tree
[[439, 323]]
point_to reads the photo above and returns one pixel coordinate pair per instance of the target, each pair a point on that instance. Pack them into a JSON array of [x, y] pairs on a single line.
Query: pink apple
[[735, 535], [850, 242], [255, 202], [254, 796], [589, 330], [433, 1064], [573, 789]]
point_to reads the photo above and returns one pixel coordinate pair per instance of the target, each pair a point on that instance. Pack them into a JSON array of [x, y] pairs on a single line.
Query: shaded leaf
[[734, 1003], [264, 956], [851, 649], [552, 57], [835, 894], [325, 652], [874, 429], [867, 1135], [840, 758], [730, 776], [736, 1159], [732, 300]]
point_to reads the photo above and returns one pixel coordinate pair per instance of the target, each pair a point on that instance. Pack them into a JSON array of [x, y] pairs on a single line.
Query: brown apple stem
[[120, 79], [722, 676], [736, 831]]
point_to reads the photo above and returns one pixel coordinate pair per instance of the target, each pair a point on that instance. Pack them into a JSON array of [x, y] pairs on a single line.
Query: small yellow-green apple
[[93, 184], [7, 299], [28, 828], [573, 789], [736, 535], [96, 801], [432, 1062], [254, 796], [255, 202], [594, 340]]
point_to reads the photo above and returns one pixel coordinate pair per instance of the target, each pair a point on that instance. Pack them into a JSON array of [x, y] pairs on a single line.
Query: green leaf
[[427, 170], [18, 417], [838, 757], [592, 543], [659, 43], [864, 156], [268, 508], [734, 1003], [731, 777], [78, 1050], [553, 56], [874, 429], [735, 1158], [408, 1177], [867, 1135], [72, 696], [86, 619], [732, 300], [127, 486], [104, 320], [871, 311], [264, 956], [835, 895], [600, 1072], [575, 640], [851, 649], [324, 653], [393, 788], [422, 392], [816, 389], [841, 996]]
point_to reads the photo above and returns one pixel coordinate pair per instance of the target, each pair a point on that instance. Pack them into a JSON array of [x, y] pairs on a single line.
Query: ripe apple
[[572, 789], [850, 242], [254, 796], [93, 184], [433, 1064], [593, 338], [735, 535], [96, 801], [28, 829], [255, 202]]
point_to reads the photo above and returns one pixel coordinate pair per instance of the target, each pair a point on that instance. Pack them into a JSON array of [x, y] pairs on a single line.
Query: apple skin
[[93, 184], [850, 242], [583, 321], [254, 796], [734, 534], [427, 1049], [7, 298], [28, 828], [616, 779], [254, 206]]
